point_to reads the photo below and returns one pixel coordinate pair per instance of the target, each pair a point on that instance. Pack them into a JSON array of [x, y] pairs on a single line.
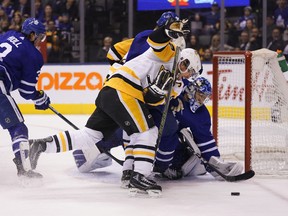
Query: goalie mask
[[189, 61], [198, 92]]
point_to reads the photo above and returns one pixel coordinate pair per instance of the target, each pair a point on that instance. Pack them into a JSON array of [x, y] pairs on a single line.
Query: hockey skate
[[140, 185], [21, 172], [125, 179], [227, 168], [37, 146]]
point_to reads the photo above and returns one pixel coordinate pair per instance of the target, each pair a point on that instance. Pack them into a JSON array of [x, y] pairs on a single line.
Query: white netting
[[269, 126]]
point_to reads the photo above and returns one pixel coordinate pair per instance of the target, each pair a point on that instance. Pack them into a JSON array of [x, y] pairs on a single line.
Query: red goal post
[[250, 110]]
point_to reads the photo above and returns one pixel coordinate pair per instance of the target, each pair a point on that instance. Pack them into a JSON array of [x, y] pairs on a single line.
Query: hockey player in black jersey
[[122, 103]]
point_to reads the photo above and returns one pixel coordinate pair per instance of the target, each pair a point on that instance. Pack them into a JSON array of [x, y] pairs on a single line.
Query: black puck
[[235, 193]]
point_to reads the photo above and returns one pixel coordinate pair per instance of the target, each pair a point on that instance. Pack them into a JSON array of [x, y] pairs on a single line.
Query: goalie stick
[[167, 99], [187, 138], [120, 162], [244, 176]]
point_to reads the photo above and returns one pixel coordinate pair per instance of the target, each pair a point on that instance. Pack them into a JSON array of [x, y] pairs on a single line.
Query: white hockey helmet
[[191, 59]]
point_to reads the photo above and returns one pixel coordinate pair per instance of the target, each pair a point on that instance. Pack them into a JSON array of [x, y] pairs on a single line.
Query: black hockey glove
[[174, 29], [186, 27], [41, 101], [155, 92], [176, 105]]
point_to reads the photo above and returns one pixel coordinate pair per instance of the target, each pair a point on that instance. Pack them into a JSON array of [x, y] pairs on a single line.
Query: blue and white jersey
[[200, 126], [20, 64], [139, 45]]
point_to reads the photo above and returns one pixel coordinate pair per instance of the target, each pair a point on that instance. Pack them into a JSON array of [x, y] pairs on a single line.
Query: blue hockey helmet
[[198, 92], [33, 25], [166, 16]]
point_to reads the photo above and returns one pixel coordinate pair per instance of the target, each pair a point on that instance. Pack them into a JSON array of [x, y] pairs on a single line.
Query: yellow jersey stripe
[[144, 153], [166, 54], [121, 85], [63, 142], [129, 152], [156, 45], [123, 46], [129, 72], [120, 48], [135, 111]]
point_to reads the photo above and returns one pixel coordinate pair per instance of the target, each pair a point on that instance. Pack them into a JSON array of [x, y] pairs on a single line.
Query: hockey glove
[[176, 105], [174, 29], [155, 92], [186, 27], [41, 101]]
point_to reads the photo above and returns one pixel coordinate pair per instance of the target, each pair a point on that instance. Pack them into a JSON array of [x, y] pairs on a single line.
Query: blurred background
[[82, 31]]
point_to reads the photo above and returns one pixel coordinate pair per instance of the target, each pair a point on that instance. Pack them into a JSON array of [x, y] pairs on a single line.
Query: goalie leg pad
[[188, 138], [90, 159], [193, 167], [227, 168]]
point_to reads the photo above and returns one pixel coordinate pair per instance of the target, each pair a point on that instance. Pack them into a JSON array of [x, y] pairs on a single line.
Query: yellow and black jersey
[[138, 73], [118, 51]]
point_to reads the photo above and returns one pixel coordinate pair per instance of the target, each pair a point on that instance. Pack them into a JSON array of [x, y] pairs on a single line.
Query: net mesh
[[269, 112]]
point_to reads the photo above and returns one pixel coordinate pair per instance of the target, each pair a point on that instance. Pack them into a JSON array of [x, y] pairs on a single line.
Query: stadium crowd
[[103, 28]]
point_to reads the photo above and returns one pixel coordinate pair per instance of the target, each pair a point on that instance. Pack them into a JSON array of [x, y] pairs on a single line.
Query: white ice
[[64, 191]]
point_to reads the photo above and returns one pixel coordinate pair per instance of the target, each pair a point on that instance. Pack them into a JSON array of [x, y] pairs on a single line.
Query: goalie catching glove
[[157, 90], [41, 101], [175, 29]]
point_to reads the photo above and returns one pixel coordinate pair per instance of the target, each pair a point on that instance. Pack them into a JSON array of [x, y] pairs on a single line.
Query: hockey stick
[[167, 99], [120, 162], [63, 117], [244, 176], [187, 138]]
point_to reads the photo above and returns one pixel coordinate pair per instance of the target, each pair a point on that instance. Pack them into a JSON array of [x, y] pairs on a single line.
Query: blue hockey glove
[[41, 101]]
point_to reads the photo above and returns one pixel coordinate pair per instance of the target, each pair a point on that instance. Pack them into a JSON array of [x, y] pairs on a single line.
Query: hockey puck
[[235, 193]]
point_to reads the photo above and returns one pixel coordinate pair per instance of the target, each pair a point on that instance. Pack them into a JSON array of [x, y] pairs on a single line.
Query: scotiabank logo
[[69, 81]]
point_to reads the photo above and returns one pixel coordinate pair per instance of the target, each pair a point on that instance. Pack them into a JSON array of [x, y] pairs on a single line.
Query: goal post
[[250, 110]]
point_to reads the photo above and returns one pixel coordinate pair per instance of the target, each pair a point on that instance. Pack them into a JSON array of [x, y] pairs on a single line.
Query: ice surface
[[64, 191]]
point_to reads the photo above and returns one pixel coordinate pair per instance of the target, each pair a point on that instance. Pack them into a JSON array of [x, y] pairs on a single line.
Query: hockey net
[[250, 110]]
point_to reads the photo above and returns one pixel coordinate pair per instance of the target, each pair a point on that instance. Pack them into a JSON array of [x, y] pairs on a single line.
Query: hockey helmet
[[33, 25], [166, 16], [191, 60], [198, 92]]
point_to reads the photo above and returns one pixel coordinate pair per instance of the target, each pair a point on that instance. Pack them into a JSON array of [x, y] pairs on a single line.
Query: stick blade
[[242, 177]]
